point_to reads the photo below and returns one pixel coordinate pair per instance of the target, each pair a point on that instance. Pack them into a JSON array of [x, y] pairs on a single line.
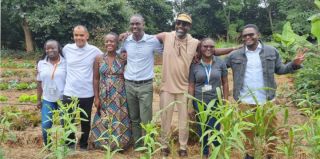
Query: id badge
[[206, 88], [52, 89]]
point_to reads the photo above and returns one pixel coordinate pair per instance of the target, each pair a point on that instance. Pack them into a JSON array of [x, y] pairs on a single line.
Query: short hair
[[138, 16], [81, 26], [113, 34], [205, 39], [44, 48], [251, 26]]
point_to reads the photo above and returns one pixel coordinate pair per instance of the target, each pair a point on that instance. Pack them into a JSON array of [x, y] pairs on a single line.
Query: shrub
[[307, 83]]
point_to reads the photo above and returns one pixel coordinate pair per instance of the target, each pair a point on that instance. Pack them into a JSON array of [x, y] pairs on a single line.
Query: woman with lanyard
[[204, 78], [51, 75]]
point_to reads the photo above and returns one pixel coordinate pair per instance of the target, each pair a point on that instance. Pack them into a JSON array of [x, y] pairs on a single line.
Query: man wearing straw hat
[[179, 50]]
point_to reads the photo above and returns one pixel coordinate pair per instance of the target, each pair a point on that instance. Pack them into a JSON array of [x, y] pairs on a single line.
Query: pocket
[[236, 64], [270, 62]]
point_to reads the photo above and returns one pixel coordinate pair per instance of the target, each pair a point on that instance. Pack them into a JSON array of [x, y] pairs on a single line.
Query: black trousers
[[86, 105]]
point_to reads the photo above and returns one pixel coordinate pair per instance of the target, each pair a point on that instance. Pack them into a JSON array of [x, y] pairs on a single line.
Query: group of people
[[119, 81]]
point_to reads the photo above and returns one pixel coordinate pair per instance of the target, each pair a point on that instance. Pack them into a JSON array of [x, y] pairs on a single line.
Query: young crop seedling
[[65, 121], [111, 141]]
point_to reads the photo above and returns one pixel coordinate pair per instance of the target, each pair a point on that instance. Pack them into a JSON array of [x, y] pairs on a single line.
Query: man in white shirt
[[253, 70], [80, 57]]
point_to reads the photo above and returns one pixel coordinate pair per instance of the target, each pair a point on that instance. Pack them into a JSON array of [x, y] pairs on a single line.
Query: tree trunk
[[27, 36], [270, 18]]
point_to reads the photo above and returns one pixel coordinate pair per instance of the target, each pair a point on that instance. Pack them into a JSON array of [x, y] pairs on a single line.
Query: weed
[[6, 124], [27, 118]]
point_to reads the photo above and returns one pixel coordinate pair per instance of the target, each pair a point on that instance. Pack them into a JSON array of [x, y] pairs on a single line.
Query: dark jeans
[[209, 125], [86, 105]]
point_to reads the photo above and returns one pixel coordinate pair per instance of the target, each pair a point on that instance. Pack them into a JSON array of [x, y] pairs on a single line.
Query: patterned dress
[[113, 118]]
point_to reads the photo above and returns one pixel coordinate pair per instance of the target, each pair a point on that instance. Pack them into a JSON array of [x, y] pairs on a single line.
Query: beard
[[180, 33]]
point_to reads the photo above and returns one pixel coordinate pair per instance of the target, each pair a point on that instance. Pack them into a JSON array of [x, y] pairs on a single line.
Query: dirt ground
[[29, 142]]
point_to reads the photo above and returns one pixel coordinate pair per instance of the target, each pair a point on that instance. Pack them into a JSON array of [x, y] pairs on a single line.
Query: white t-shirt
[[79, 82], [52, 88], [253, 79]]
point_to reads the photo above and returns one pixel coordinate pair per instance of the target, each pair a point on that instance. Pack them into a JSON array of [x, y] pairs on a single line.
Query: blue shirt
[[140, 59]]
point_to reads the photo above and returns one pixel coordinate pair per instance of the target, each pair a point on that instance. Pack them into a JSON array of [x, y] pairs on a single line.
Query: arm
[[191, 88], [281, 68], [225, 87], [224, 51], [39, 94], [96, 80], [123, 36], [224, 81], [161, 36]]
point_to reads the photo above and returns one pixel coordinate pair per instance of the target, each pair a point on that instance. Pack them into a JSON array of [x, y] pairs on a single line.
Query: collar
[[213, 60], [259, 47], [84, 47], [188, 37], [144, 38], [46, 60]]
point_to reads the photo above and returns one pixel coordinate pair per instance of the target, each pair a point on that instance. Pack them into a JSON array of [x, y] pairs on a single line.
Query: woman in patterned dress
[[111, 119]]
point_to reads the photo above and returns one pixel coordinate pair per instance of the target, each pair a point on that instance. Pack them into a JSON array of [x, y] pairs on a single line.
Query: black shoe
[[269, 157], [248, 157], [83, 149], [183, 153], [72, 146], [165, 152]]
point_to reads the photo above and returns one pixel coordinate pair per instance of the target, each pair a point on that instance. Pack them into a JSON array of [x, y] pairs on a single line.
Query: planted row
[[14, 84], [14, 64], [11, 73]]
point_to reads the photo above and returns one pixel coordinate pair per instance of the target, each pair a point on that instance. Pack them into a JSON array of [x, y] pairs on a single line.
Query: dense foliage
[[31, 22]]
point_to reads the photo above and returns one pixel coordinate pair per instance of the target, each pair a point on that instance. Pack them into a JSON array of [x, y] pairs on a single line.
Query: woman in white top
[[51, 75]]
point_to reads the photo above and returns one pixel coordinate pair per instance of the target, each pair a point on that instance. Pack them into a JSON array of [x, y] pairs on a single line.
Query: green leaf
[[317, 2]]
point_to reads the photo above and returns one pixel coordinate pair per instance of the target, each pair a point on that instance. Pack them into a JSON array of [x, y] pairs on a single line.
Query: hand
[[123, 36], [123, 55], [97, 104], [39, 104], [196, 58], [191, 112], [300, 56]]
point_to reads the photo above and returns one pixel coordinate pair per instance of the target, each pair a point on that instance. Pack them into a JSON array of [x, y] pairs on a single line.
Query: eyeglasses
[[250, 35], [208, 46], [183, 23]]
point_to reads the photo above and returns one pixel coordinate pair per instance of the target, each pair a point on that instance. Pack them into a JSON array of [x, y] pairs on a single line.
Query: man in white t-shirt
[[80, 57]]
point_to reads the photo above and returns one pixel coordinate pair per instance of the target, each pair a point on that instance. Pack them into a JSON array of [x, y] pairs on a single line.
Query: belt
[[139, 82]]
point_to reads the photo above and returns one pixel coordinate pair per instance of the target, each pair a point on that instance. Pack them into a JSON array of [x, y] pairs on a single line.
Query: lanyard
[[54, 69], [208, 71]]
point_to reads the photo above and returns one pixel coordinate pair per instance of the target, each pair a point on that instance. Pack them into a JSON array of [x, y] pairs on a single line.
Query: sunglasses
[[182, 23], [208, 46], [250, 35]]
